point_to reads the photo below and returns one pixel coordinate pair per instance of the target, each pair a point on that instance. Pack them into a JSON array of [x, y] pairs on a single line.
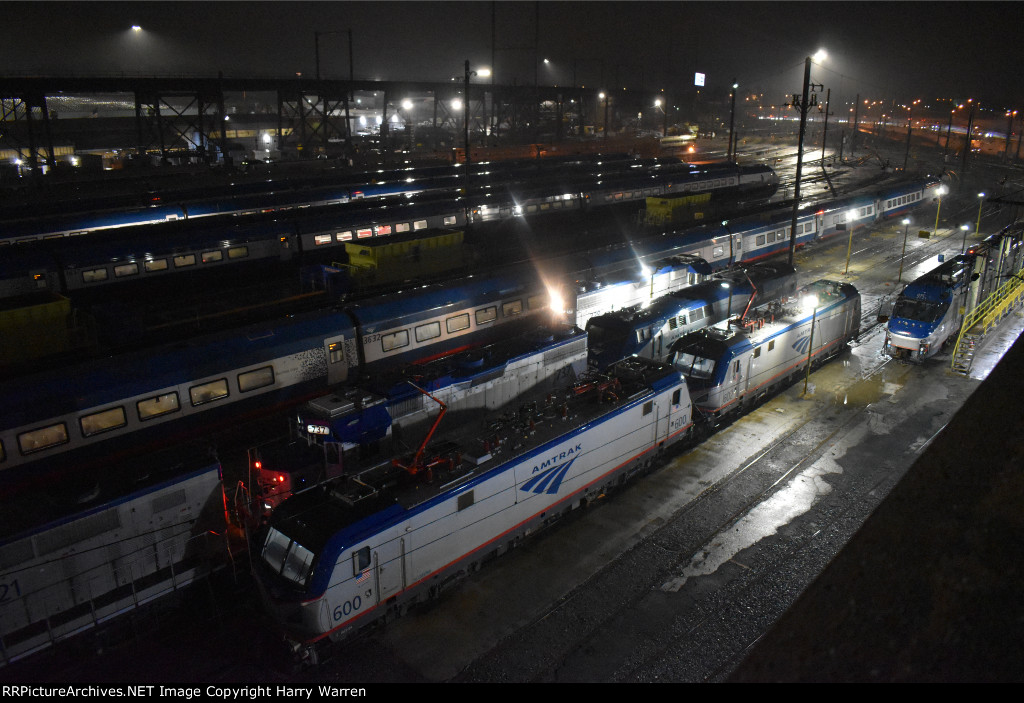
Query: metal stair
[[964, 354]]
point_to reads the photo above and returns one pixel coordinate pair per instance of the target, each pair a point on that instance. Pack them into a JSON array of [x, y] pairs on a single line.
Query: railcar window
[[207, 392], [514, 307], [122, 270], [345, 236], [757, 352], [708, 311], [321, 239], [238, 252], [360, 560], [183, 260], [395, 340], [43, 438], [103, 421], [210, 256], [428, 331], [648, 407], [335, 352], [449, 220], [464, 501], [771, 345], [486, 315], [364, 233], [402, 227], [94, 275], [383, 229], [761, 239], [157, 405], [694, 366], [457, 323], [718, 252], [287, 557], [297, 563], [418, 225], [155, 265], [257, 378]]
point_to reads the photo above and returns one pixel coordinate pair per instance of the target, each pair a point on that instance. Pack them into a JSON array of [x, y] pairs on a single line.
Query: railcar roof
[[336, 512]]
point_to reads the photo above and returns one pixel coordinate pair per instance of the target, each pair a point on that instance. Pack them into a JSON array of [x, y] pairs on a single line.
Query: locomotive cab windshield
[[695, 356], [919, 310]]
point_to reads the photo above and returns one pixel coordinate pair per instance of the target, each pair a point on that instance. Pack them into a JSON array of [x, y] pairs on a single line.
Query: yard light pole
[[906, 228], [966, 229], [981, 201], [942, 191], [810, 344], [731, 156], [604, 96], [803, 103]]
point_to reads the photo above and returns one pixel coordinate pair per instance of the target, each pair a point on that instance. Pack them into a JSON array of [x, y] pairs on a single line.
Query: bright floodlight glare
[[407, 104], [809, 302], [136, 28], [981, 195], [456, 104], [906, 221], [483, 72], [820, 55], [555, 300]]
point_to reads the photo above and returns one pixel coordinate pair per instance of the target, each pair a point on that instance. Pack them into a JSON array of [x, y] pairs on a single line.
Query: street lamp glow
[[456, 104], [136, 28], [483, 72], [820, 55], [407, 104]]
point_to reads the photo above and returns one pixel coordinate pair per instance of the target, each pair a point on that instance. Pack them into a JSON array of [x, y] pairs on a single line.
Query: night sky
[[886, 50]]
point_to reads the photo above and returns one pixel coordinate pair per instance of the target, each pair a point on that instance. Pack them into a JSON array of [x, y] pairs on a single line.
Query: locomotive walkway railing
[[982, 319]]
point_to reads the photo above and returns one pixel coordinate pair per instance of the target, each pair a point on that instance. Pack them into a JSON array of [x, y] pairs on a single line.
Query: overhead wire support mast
[[802, 103]]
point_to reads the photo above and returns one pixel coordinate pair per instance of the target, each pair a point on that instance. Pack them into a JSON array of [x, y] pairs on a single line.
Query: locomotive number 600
[[347, 608]]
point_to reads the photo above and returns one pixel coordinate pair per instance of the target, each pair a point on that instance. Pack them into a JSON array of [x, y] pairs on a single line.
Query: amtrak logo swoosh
[[550, 479], [801, 344]]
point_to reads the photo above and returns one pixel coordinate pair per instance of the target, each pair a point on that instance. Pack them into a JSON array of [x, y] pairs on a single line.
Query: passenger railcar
[[67, 572], [318, 233], [731, 366], [160, 393], [382, 536], [649, 331]]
